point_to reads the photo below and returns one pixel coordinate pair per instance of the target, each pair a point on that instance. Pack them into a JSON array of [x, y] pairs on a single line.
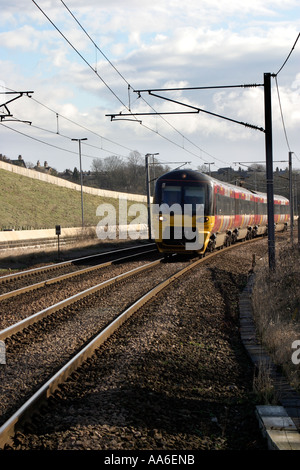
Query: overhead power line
[[81, 126], [98, 49], [41, 141], [288, 55], [128, 85], [281, 113], [59, 115], [278, 94], [63, 136], [80, 55], [158, 89]]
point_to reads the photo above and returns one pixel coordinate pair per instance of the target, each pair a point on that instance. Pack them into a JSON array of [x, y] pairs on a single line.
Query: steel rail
[[14, 423], [54, 280], [26, 322], [28, 272]]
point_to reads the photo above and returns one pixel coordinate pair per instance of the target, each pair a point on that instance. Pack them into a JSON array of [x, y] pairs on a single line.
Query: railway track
[[78, 316], [32, 319], [75, 274], [76, 327], [17, 304], [108, 347], [22, 278]]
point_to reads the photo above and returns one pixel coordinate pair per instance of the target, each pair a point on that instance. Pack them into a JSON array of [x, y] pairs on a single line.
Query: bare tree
[[125, 175]]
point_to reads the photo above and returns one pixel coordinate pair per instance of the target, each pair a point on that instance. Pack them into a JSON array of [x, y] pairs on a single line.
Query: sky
[[86, 61]]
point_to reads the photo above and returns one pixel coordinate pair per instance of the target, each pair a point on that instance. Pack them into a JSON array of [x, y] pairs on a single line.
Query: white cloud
[[156, 44], [25, 38]]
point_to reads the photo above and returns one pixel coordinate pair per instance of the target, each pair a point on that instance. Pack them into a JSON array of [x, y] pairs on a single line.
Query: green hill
[[28, 203]]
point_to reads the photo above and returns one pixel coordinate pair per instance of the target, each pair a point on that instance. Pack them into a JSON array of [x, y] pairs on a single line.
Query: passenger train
[[193, 212]]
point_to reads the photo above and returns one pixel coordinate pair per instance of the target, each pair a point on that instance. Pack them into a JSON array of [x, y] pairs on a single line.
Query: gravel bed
[[34, 355], [17, 308], [14, 284], [175, 377]]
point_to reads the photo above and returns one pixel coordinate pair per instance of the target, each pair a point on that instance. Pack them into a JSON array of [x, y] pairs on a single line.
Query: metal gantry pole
[[298, 227], [291, 198], [148, 194], [209, 164], [148, 189], [269, 169], [81, 181]]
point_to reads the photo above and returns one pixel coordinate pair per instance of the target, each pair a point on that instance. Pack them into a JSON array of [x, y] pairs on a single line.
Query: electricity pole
[[269, 169], [212, 163], [291, 197], [79, 142], [148, 191], [268, 140]]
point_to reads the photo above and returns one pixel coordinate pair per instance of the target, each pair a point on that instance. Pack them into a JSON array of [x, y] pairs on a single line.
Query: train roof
[[194, 175], [191, 175]]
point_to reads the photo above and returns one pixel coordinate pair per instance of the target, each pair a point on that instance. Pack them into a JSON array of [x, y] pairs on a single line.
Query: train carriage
[[193, 212]]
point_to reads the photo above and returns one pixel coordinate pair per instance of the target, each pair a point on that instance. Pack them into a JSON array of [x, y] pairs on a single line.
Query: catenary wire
[[73, 47], [73, 122], [43, 142], [84, 155], [80, 55], [288, 55], [81, 126], [95, 71], [277, 87], [281, 113], [101, 52], [130, 87], [70, 138]]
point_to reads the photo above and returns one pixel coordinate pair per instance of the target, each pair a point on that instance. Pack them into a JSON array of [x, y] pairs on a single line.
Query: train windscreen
[[172, 194], [193, 195]]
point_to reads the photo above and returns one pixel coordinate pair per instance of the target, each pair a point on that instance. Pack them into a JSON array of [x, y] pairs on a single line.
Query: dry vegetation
[[276, 306]]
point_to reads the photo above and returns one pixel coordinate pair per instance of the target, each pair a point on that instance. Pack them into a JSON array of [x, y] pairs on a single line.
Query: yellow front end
[[182, 233]]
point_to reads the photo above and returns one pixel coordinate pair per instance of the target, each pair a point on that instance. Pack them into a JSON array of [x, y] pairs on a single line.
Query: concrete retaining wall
[[18, 243], [75, 232], [26, 235]]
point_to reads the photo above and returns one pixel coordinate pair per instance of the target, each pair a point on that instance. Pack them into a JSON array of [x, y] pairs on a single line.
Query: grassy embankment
[[27, 203], [276, 304]]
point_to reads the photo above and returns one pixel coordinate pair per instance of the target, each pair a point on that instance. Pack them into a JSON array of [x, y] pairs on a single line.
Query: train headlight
[[202, 220], [162, 218]]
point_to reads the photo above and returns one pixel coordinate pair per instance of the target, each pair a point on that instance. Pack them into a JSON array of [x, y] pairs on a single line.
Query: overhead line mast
[[268, 140]]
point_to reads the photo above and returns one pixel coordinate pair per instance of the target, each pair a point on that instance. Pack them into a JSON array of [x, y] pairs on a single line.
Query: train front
[[180, 212]]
